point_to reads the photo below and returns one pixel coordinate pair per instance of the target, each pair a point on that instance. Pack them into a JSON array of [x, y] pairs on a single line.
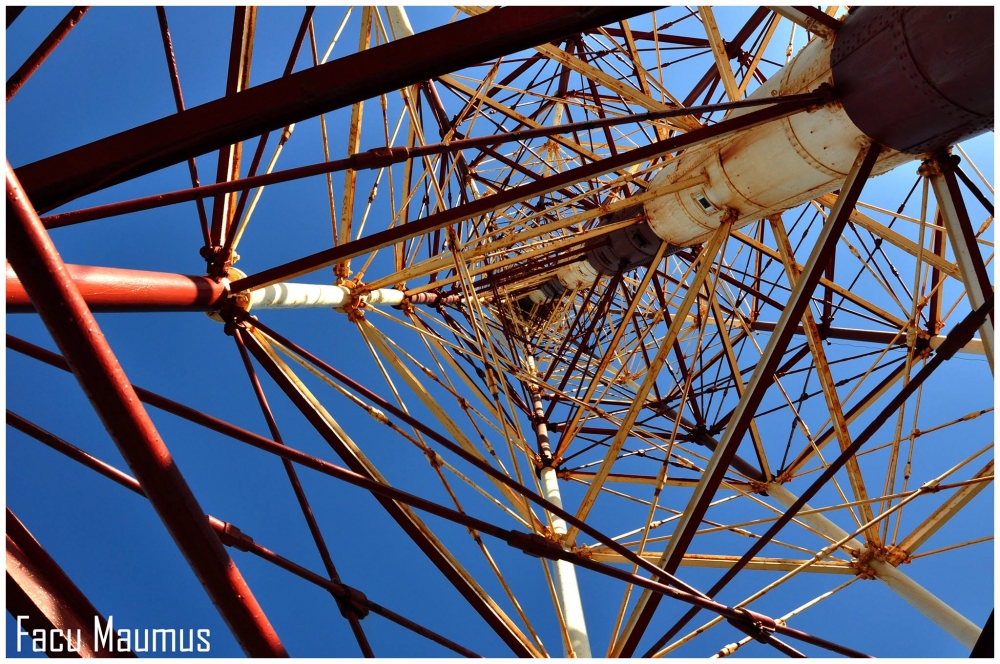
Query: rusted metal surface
[[526, 191], [917, 79], [406, 519], [65, 314], [270, 106], [958, 337], [39, 590], [109, 289], [762, 378], [175, 86], [35, 60]]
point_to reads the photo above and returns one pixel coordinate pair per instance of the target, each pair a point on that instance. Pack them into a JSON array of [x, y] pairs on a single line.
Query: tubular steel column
[[65, 314], [39, 591], [963, 241], [567, 590], [950, 620], [763, 377]]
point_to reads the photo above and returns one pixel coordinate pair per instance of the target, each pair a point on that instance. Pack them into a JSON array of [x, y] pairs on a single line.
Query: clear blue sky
[[109, 75]]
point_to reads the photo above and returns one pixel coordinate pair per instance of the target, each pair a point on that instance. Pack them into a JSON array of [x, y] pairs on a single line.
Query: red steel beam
[[110, 289], [72, 326], [527, 191], [40, 591], [43, 51], [273, 105], [229, 534], [382, 157]]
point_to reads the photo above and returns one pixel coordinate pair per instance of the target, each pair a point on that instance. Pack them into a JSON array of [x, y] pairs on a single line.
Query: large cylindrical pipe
[[914, 79], [567, 589]]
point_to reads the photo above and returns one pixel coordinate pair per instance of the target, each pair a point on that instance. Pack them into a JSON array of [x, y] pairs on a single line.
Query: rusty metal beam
[[514, 194], [65, 314], [762, 378], [109, 289], [402, 514], [228, 162], [270, 106], [958, 337], [44, 49], [963, 241], [40, 591]]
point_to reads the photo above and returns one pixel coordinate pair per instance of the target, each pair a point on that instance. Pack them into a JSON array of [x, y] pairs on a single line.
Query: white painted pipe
[[399, 22], [953, 622], [567, 589], [311, 296]]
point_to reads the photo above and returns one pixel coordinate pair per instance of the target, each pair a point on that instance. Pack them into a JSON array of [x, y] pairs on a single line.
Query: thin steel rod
[[762, 379], [44, 50], [175, 85], [534, 545], [340, 591], [262, 141], [523, 192], [958, 337], [300, 496], [362, 473], [371, 159]]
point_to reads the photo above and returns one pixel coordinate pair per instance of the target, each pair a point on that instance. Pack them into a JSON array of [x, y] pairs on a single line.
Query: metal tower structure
[[636, 332]]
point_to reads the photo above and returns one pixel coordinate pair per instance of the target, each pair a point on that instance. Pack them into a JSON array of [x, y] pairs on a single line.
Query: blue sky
[[109, 75]]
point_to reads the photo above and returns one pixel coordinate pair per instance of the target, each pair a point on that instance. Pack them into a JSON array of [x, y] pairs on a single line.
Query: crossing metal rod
[[407, 520], [958, 337], [302, 95], [35, 60], [761, 380], [300, 496], [230, 535], [61, 307], [531, 544]]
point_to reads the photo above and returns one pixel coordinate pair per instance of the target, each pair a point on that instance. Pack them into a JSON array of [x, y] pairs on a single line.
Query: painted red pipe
[[40, 591], [72, 325], [110, 289], [916, 79]]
